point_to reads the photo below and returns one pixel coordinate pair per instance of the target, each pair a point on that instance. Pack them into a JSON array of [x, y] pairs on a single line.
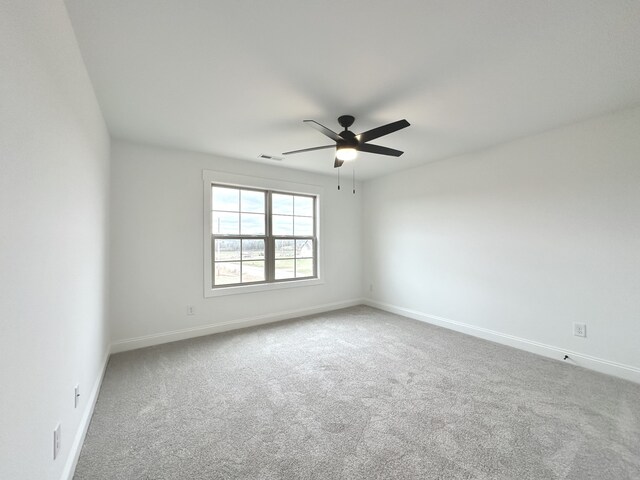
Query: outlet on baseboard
[[190, 310], [56, 442], [579, 329], [76, 396]]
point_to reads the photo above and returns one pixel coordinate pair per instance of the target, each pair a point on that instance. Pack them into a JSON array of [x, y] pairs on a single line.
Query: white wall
[[520, 241], [157, 248], [54, 153]]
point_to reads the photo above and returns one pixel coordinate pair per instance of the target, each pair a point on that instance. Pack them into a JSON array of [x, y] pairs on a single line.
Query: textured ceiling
[[236, 78]]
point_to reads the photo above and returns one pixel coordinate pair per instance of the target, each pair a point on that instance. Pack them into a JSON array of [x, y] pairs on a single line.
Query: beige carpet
[[357, 394]]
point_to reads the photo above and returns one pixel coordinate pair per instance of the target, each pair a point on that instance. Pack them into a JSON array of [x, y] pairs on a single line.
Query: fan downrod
[[346, 120]]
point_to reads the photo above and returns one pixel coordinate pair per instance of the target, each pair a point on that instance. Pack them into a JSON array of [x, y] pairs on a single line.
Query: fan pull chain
[[338, 178], [354, 181]]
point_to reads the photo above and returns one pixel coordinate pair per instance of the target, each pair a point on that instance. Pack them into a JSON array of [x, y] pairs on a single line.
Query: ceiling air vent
[[270, 157]]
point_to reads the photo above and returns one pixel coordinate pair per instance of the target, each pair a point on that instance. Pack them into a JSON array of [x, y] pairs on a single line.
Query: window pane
[[284, 269], [252, 224], [304, 268], [282, 225], [252, 249], [226, 272], [303, 206], [304, 248], [251, 201], [284, 248], [253, 271], [223, 198], [303, 226], [282, 204], [225, 223], [226, 250]]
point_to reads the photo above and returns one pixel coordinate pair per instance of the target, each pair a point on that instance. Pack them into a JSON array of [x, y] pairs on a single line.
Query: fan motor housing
[[349, 137]]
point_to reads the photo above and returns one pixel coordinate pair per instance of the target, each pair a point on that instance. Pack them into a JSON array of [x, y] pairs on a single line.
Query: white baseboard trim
[[183, 334], [78, 441], [601, 365]]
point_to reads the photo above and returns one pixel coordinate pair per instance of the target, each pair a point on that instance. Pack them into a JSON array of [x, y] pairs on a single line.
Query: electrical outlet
[[76, 396], [56, 442], [371, 287], [579, 329], [190, 310]]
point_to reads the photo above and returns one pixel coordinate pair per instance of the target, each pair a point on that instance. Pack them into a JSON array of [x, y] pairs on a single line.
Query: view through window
[[261, 236]]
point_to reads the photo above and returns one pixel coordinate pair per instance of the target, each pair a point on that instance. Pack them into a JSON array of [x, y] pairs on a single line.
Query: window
[[258, 237], [293, 226], [238, 235]]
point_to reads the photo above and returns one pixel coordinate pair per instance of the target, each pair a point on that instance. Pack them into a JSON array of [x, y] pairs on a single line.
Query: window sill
[[262, 287]]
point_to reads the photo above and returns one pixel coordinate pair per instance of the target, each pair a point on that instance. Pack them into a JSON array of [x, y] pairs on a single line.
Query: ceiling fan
[[348, 144]]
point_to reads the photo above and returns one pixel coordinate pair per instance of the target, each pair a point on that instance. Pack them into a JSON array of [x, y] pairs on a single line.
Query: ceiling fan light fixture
[[348, 144], [346, 153]]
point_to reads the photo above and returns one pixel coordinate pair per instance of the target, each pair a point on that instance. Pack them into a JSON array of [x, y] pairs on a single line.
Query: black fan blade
[[381, 131], [309, 149], [367, 147], [338, 163], [324, 130]]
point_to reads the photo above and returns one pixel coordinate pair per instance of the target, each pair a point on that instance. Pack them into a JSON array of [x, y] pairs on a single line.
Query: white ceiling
[[236, 78]]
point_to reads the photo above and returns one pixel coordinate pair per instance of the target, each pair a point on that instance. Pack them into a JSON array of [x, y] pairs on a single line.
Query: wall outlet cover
[[579, 329]]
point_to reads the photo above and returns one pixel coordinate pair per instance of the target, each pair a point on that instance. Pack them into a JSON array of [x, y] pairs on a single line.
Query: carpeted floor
[[357, 394]]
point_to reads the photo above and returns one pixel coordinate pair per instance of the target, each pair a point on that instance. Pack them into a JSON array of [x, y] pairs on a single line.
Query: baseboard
[[78, 441], [183, 334], [601, 365]]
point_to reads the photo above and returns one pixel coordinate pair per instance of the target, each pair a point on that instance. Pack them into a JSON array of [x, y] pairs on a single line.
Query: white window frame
[[210, 177]]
